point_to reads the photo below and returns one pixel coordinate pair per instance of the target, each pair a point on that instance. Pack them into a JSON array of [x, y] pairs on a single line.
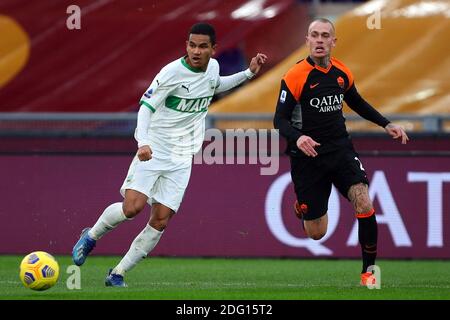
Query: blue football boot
[[114, 280], [83, 247]]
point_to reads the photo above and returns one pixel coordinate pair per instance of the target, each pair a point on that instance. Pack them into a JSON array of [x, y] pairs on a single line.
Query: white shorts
[[161, 180]]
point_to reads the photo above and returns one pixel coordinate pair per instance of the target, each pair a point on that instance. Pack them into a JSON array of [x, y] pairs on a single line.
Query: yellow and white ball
[[39, 271]]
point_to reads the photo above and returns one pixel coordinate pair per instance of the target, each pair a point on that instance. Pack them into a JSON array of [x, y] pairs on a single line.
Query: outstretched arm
[[257, 62], [228, 82], [365, 110], [396, 132]]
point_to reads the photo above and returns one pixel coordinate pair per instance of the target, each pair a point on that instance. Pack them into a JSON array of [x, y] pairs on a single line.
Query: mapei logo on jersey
[[188, 105], [328, 103], [148, 94], [194, 105]]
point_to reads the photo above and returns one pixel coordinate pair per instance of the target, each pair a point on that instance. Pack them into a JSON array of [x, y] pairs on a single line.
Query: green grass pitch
[[238, 279]]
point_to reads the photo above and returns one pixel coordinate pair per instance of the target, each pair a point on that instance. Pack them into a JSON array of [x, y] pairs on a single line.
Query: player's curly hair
[[206, 29]]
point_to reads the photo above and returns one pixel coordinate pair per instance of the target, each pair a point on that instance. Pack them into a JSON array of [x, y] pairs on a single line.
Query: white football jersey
[[179, 96]]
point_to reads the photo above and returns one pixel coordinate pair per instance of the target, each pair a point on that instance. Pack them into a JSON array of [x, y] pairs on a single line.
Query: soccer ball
[[39, 271]]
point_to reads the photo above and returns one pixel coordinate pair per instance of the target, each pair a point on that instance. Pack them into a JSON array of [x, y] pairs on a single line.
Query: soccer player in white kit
[[170, 130]]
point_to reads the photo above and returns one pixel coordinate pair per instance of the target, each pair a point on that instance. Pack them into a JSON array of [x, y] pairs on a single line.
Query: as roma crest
[[341, 82]]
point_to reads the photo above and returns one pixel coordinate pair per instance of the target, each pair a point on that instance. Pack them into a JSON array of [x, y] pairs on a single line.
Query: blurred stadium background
[[68, 102]]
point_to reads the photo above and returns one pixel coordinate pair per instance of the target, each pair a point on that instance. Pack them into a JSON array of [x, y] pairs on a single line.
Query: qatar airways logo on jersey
[[328, 103]]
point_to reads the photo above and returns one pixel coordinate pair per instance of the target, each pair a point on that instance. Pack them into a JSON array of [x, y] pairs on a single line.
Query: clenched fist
[[144, 153]]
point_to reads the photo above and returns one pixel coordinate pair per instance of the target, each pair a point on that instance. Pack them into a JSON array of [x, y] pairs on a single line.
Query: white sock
[[111, 218], [139, 249]]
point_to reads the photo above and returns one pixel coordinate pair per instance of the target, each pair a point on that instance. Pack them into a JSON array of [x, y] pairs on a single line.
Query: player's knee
[[364, 207], [132, 209], [316, 235], [159, 225], [316, 229]]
